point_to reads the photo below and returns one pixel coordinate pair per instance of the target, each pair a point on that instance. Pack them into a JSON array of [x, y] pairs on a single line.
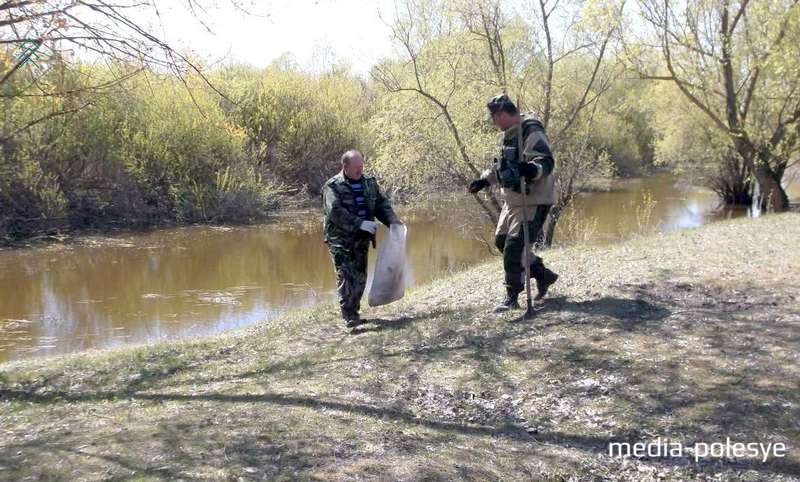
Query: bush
[[298, 125], [146, 151]]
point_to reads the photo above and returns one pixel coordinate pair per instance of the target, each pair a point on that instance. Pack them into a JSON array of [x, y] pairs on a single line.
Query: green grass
[[693, 335]]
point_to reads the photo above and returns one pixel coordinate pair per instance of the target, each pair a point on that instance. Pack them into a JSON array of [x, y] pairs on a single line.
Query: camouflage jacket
[[341, 222], [536, 150]]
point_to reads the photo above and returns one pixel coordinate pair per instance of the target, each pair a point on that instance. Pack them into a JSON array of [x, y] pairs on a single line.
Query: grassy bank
[[693, 335]]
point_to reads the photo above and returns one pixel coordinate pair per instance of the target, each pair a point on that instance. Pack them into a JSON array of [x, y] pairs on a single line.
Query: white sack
[[389, 279]]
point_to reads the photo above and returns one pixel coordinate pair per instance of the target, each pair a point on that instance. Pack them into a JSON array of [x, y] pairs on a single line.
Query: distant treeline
[[122, 143], [150, 149]]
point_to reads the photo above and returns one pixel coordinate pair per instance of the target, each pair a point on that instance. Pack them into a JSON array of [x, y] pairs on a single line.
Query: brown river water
[[177, 283]]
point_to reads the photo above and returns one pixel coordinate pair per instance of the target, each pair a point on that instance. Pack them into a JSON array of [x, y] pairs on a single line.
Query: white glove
[[368, 226]]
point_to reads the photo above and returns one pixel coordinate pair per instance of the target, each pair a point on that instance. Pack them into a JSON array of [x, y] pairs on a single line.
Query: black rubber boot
[[544, 279], [352, 319], [510, 301]]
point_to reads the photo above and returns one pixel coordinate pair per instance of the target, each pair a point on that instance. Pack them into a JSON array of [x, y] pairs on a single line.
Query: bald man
[[352, 201]]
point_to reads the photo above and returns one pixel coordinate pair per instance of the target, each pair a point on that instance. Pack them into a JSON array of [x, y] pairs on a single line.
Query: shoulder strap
[[529, 124]]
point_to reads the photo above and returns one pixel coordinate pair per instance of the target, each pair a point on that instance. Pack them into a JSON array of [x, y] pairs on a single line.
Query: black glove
[[477, 185], [528, 169]]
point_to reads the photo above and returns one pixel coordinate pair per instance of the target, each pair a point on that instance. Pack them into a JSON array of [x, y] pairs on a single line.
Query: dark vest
[[507, 165]]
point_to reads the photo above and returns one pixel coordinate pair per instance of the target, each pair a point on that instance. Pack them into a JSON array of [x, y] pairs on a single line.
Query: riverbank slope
[[692, 335]]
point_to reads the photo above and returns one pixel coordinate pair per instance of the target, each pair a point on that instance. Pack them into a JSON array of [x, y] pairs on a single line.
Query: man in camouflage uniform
[[536, 167], [352, 201]]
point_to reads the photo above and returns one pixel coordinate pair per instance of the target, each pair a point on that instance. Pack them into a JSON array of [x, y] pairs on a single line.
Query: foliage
[[126, 144], [736, 64], [457, 54], [625, 127], [297, 125], [149, 150], [691, 147], [415, 149]]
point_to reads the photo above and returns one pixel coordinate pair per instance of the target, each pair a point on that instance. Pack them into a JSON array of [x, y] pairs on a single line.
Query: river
[[177, 283]]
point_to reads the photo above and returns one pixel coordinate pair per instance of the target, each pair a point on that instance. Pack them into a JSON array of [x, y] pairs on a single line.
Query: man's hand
[[477, 185], [529, 169], [368, 226]]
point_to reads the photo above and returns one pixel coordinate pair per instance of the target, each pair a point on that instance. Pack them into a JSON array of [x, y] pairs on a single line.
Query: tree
[[567, 78], [693, 147], [297, 124], [737, 62], [114, 32], [456, 54], [433, 69]]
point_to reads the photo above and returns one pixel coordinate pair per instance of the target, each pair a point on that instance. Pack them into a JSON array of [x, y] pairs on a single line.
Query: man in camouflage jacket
[[535, 164], [352, 201]]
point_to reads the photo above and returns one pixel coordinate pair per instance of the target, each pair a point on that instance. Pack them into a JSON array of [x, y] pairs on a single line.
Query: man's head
[[353, 164], [503, 112]]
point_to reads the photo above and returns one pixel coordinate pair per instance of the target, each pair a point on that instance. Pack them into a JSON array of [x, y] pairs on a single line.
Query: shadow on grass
[[629, 313], [381, 324], [594, 444], [707, 377]]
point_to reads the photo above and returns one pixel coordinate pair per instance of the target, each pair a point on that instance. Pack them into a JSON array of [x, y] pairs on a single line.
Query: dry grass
[[693, 336]]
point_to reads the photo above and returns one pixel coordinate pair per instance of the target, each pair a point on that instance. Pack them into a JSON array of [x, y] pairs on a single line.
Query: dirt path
[[693, 337]]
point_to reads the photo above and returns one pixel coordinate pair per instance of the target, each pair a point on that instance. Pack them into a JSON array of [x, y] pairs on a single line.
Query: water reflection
[[181, 282], [200, 280], [617, 214]]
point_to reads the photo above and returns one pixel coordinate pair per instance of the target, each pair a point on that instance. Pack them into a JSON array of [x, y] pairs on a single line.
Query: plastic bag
[[389, 280]]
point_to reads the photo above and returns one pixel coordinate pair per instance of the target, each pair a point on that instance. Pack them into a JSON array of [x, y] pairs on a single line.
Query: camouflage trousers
[[350, 263], [512, 245]]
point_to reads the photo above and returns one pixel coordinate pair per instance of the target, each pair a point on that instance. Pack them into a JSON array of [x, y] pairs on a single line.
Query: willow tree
[[737, 62], [95, 131], [552, 57], [117, 33], [436, 68], [573, 64], [694, 148]]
